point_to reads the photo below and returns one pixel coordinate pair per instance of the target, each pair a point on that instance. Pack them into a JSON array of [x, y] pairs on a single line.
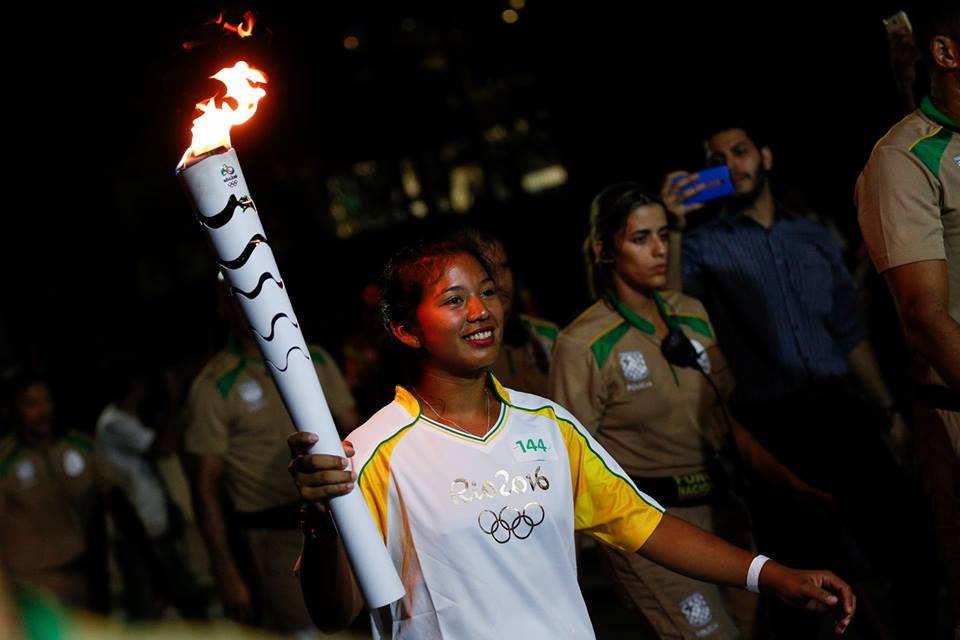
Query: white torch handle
[[220, 196]]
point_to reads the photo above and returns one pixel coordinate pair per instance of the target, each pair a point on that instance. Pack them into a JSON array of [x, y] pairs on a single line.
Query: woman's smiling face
[[458, 320]]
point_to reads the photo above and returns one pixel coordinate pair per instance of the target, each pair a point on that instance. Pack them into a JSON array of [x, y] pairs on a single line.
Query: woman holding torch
[[477, 490]]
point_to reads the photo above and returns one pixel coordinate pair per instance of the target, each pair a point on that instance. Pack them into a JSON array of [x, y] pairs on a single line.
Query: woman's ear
[[405, 335], [601, 255], [766, 155]]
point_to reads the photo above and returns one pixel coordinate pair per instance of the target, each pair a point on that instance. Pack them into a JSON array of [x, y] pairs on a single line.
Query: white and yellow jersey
[[481, 529]]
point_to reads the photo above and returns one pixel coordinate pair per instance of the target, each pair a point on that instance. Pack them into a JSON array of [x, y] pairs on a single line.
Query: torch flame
[[244, 29], [212, 129]]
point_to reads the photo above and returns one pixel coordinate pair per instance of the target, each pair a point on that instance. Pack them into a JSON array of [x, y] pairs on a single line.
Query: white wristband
[[753, 573]]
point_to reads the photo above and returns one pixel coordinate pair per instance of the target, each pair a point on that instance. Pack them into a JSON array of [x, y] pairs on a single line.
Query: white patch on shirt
[[251, 393], [696, 610], [529, 447], [25, 473], [73, 463], [634, 366], [956, 160], [702, 356]]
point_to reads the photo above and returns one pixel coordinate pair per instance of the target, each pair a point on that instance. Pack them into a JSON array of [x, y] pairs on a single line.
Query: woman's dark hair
[[405, 277], [608, 213]]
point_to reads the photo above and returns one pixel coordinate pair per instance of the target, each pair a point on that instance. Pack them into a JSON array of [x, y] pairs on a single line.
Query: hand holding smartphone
[[716, 184]]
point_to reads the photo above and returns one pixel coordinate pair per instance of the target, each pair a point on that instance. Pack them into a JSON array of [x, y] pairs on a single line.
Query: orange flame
[[212, 129], [245, 29]]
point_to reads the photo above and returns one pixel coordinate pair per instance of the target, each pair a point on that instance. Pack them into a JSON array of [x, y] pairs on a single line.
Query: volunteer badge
[[634, 366], [696, 610]]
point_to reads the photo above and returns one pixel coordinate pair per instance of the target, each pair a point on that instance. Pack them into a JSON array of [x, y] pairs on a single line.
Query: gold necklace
[[486, 398]]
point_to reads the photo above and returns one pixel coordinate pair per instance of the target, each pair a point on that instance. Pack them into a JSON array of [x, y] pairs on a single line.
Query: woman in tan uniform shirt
[[661, 422]]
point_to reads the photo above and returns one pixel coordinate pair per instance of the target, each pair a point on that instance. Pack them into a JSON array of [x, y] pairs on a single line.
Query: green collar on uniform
[[42, 619], [226, 382], [673, 320], [633, 318], [930, 110], [643, 325], [930, 148]]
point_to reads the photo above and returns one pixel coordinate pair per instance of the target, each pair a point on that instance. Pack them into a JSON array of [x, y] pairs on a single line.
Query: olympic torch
[[211, 175]]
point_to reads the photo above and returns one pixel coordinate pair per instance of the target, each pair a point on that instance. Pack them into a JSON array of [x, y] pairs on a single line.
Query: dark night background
[[102, 254]]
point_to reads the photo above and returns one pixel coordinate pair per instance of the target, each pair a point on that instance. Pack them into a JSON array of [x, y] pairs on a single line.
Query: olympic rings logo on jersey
[[511, 522]]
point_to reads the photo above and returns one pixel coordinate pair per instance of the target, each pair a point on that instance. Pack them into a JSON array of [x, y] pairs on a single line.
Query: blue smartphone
[[718, 184]]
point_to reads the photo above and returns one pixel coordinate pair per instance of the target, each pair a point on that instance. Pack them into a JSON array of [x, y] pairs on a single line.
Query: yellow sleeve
[[373, 472], [607, 505]]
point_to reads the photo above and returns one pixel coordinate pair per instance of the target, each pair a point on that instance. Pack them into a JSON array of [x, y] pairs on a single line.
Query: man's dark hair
[[750, 125], [934, 18]]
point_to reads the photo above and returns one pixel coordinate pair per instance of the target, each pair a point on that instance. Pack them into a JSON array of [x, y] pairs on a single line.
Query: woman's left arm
[[693, 552]]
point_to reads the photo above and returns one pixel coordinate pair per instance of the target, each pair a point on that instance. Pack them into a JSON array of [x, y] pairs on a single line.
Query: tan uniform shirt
[[526, 368], [47, 500], [908, 198], [237, 414], [653, 418]]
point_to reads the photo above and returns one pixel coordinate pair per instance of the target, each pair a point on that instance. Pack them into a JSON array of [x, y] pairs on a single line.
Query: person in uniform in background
[[524, 360], [236, 441], [908, 198], [51, 507], [664, 423]]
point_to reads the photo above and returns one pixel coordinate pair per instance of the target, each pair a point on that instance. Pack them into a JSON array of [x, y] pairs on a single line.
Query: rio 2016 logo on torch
[[229, 175]]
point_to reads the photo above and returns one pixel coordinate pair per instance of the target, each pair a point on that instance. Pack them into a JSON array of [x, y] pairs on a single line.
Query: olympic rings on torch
[[511, 522]]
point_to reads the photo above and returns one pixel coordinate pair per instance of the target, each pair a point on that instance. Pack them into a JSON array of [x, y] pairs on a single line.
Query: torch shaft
[[220, 196]]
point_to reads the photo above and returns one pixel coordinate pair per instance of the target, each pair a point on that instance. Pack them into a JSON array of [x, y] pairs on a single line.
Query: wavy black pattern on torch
[[241, 260], [286, 365], [226, 215], [253, 293], [273, 325]]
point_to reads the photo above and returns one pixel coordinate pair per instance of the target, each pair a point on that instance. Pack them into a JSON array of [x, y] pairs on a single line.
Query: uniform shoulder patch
[[540, 326], [602, 346], [929, 149], [226, 381]]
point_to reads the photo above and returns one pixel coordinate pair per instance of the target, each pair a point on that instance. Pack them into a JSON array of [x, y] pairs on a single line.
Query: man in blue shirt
[[787, 318], [775, 285]]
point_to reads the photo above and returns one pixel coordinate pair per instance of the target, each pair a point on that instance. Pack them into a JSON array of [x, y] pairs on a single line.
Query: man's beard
[[741, 201]]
